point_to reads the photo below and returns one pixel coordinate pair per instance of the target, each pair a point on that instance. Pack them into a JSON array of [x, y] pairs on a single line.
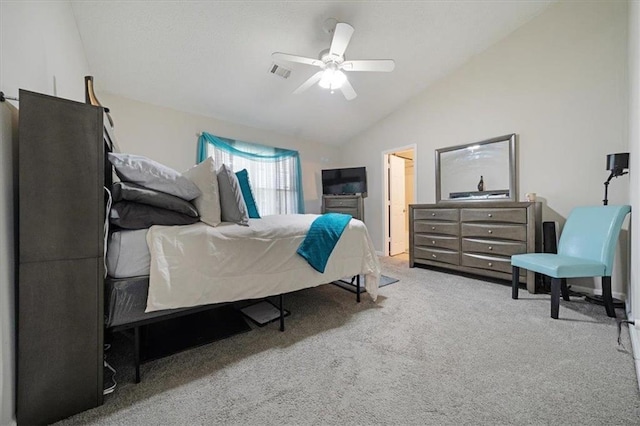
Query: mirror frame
[[513, 169]]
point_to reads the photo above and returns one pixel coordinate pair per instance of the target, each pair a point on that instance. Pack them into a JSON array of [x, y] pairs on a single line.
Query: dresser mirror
[[479, 171]]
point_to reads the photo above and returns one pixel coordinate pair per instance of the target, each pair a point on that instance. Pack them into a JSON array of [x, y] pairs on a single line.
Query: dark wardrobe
[[60, 243]]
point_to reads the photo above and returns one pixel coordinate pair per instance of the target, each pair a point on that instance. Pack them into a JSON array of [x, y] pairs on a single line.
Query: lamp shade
[[618, 162]]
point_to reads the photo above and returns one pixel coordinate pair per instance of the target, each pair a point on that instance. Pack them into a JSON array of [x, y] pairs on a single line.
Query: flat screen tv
[[351, 180]]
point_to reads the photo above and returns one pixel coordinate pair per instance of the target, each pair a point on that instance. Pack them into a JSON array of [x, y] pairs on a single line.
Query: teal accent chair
[[586, 249]]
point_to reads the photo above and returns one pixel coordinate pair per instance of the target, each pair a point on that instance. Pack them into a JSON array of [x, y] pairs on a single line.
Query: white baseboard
[[590, 291], [635, 347]]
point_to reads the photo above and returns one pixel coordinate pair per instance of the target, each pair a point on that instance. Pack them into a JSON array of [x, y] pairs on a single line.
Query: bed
[[183, 242], [168, 271], [193, 265]]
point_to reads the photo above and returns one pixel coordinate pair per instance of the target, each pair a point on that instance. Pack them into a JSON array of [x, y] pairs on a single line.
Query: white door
[[397, 208]]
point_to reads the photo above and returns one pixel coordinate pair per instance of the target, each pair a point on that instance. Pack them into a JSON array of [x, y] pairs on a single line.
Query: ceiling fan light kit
[[332, 79], [332, 63]]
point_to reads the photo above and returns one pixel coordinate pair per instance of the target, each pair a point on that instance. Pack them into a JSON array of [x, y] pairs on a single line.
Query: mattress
[[128, 254], [198, 264], [224, 264], [125, 301]]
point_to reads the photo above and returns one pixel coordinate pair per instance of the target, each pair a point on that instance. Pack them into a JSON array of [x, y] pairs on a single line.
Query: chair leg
[[607, 298], [555, 297], [564, 289], [515, 281]]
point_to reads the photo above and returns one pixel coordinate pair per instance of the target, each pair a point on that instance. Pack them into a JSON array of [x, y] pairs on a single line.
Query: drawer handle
[[490, 264], [490, 231], [434, 256], [433, 228], [433, 214], [490, 215], [433, 242], [490, 247]]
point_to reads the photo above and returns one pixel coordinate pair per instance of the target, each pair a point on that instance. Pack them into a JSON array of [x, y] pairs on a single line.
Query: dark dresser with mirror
[[477, 223]]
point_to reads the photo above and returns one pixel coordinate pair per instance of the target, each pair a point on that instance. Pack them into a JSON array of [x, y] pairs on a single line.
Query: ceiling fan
[[332, 62]]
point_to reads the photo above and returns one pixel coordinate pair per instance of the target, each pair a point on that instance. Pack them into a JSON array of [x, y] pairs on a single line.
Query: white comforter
[[199, 264]]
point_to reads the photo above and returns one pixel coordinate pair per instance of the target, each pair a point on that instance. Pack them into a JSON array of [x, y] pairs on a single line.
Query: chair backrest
[[592, 233]]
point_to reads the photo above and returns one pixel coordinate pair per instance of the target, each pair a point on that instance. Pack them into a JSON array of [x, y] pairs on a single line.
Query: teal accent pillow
[[247, 194]]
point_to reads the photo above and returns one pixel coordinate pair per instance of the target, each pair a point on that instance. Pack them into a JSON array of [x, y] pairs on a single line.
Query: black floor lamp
[[616, 164]]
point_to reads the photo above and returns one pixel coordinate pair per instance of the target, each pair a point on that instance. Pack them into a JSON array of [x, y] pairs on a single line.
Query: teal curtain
[[254, 152]]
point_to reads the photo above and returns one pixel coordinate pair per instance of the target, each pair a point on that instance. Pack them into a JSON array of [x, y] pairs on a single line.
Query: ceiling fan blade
[[341, 37], [347, 90], [296, 58], [383, 65], [310, 82]]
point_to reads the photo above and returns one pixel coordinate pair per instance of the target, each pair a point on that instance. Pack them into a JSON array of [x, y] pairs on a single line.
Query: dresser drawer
[[436, 214], [340, 202], [432, 227], [437, 255], [504, 248], [491, 263], [514, 215], [345, 210], [497, 230], [437, 241]]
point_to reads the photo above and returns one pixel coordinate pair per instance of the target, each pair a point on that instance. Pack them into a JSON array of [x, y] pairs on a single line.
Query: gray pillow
[[127, 191], [149, 173], [130, 215], [232, 205]]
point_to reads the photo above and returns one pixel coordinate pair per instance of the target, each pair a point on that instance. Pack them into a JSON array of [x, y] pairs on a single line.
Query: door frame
[[385, 189]]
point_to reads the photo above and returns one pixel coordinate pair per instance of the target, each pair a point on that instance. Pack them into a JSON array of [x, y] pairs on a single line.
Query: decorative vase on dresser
[[475, 237]]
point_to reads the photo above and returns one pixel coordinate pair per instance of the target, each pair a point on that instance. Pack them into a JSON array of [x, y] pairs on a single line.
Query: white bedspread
[[199, 264]]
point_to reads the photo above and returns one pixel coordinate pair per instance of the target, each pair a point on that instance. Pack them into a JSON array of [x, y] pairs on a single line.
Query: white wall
[[634, 160], [559, 82], [40, 50], [170, 137]]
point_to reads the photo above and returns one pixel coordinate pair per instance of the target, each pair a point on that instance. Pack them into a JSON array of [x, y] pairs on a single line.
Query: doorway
[[399, 167]]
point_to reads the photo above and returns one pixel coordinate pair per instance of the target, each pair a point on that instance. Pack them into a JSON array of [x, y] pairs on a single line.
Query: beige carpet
[[435, 349]]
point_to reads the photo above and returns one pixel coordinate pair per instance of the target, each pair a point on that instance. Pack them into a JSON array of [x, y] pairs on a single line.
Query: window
[[274, 173]]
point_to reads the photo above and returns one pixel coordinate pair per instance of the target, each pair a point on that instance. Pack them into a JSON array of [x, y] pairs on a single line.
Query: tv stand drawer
[[344, 210], [347, 204], [346, 201]]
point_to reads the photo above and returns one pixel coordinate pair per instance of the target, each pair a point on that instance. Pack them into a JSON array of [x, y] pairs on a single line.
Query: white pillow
[[208, 204], [151, 174]]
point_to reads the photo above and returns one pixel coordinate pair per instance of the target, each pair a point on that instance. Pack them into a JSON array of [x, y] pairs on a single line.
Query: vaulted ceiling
[[213, 57]]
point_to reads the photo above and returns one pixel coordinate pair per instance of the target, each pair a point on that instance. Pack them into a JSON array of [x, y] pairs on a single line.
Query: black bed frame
[[136, 325]]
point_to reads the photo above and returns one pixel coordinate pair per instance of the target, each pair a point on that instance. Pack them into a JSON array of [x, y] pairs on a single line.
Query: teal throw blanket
[[322, 237]]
